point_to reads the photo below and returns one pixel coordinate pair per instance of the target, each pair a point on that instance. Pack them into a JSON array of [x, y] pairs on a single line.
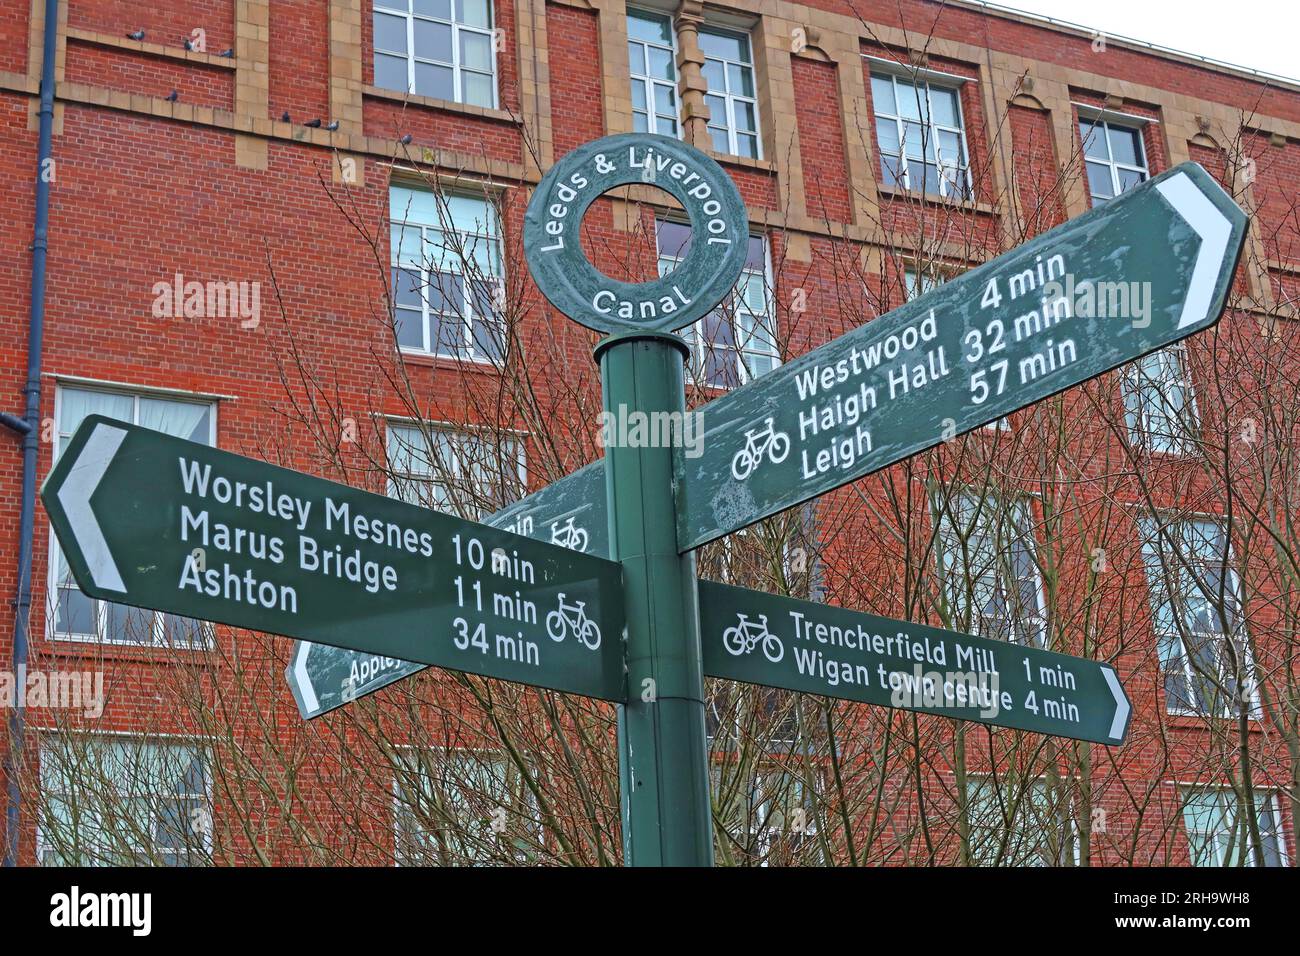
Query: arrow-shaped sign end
[[1214, 227], [1119, 724], [300, 681], [74, 497]]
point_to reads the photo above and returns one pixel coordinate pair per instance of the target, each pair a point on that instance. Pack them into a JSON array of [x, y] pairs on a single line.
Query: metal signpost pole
[[663, 756], [663, 759]]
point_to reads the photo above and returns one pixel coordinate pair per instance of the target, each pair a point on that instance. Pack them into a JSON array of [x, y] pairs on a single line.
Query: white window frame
[[732, 98], [1143, 434], [199, 745], [930, 137], [402, 812], [1268, 797], [488, 231], [734, 307], [640, 73], [1170, 565], [407, 12], [986, 779], [954, 576], [455, 435], [159, 618], [1098, 123]]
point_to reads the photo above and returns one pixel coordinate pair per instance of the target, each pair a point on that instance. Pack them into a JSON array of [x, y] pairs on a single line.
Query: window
[[1020, 823], [1195, 603], [1218, 834], [447, 275], [917, 282], [736, 342], [733, 110], [458, 808], [73, 615], [459, 472], [652, 58], [1158, 402], [122, 801], [1114, 158], [767, 815], [438, 48], [921, 137], [989, 567]]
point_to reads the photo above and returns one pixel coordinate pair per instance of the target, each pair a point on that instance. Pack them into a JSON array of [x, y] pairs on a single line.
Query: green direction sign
[[818, 649], [792, 644], [570, 513], [164, 523], [704, 277], [1142, 271]]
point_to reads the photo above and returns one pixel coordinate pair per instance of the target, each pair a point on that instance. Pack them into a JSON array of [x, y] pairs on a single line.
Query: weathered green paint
[[819, 649], [967, 353], [663, 755], [570, 512], [719, 226], [164, 523]]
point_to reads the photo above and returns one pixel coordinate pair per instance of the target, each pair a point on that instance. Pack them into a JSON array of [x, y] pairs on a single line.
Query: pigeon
[[227, 53], [189, 44], [405, 140], [284, 118], [333, 126], [173, 96], [137, 35], [313, 123]]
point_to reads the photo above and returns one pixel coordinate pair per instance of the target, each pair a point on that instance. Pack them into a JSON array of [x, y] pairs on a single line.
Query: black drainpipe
[[29, 427]]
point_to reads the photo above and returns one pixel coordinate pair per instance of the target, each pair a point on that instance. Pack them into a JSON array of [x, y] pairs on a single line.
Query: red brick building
[[291, 228]]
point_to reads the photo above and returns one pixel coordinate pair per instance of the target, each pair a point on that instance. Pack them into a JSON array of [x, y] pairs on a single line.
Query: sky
[[1260, 34]]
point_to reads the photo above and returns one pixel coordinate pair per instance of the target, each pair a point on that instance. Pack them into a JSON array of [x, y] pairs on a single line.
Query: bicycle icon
[[573, 616], [747, 635], [569, 535], [760, 443]]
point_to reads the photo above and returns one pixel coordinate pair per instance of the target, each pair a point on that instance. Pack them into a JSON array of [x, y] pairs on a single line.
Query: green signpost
[[820, 649], [160, 522], [588, 586], [570, 513], [1146, 269]]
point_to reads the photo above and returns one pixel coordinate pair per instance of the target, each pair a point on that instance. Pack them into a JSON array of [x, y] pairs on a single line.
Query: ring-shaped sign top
[[719, 234]]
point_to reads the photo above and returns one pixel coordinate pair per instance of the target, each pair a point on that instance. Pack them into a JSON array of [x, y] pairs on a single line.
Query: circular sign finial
[[719, 234]]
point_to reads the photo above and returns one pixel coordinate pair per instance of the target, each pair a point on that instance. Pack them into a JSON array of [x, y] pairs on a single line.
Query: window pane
[[887, 134], [745, 116], [661, 65], [747, 145], [1099, 183], [1093, 139], [725, 46], [475, 13], [433, 41], [1124, 145], [714, 76], [434, 8], [478, 88], [76, 403], [914, 141], [435, 81], [882, 94], [1128, 178], [638, 95], [911, 100], [476, 51], [943, 102], [665, 100], [645, 26], [390, 73], [740, 80], [390, 33], [721, 142]]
